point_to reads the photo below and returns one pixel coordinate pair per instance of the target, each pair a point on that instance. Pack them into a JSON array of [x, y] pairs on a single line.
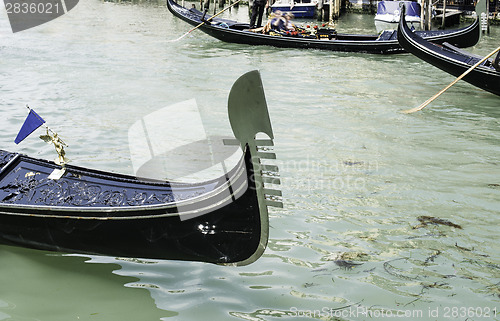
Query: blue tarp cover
[[390, 7]]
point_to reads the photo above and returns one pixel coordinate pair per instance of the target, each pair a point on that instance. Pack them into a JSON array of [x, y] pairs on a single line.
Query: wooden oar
[[428, 101], [193, 29]]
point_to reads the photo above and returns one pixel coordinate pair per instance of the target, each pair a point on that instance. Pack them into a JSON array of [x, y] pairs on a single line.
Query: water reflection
[[38, 284]]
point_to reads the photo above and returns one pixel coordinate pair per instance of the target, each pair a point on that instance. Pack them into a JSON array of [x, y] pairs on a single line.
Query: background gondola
[[383, 43], [451, 59]]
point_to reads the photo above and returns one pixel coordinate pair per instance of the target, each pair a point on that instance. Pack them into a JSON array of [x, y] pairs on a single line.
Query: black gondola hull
[[227, 234], [385, 43], [450, 60], [79, 210]]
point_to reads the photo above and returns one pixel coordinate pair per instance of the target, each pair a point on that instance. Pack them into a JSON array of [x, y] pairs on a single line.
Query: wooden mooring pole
[[429, 15], [443, 21], [330, 14], [328, 10], [334, 11], [488, 17], [422, 15], [426, 14]]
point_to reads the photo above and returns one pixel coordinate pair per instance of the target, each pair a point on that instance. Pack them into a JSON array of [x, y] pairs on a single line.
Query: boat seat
[[476, 58], [388, 35], [239, 26]]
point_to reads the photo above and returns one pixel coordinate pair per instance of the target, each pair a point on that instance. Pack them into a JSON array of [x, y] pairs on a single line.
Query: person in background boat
[[288, 24], [257, 13], [278, 22]]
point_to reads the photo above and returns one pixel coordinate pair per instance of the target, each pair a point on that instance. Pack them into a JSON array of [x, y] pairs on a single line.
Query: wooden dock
[[449, 18]]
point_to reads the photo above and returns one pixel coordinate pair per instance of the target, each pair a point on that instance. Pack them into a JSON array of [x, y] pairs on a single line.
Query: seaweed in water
[[463, 248], [432, 257], [346, 265], [425, 220], [353, 163], [395, 271], [308, 285], [345, 260]]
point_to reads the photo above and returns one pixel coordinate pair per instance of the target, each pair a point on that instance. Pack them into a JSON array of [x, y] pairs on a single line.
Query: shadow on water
[[38, 284]]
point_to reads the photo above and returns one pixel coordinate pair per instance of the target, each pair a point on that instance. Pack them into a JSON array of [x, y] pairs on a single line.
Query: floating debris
[[463, 248], [309, 284], [320, 270], [432, 257], [425, 220], [437, 285], [353, 163], [346, 265], [494, 289], [345, 260]]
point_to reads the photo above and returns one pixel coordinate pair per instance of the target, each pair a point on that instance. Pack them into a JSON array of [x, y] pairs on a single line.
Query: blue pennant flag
[[32, 122]]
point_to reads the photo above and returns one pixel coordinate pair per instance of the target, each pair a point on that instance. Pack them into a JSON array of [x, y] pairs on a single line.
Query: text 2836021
[[24, 7]]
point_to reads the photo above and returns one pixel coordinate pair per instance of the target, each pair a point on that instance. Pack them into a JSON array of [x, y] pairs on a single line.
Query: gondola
[[86, 211], [384, 43], [451, 59]]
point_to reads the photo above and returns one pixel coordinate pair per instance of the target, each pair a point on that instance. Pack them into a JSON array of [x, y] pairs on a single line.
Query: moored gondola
[[223, 220], [384, 43], [451, 59]]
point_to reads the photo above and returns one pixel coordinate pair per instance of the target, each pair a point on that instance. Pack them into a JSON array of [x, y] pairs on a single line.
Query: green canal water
[[357, 174]]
